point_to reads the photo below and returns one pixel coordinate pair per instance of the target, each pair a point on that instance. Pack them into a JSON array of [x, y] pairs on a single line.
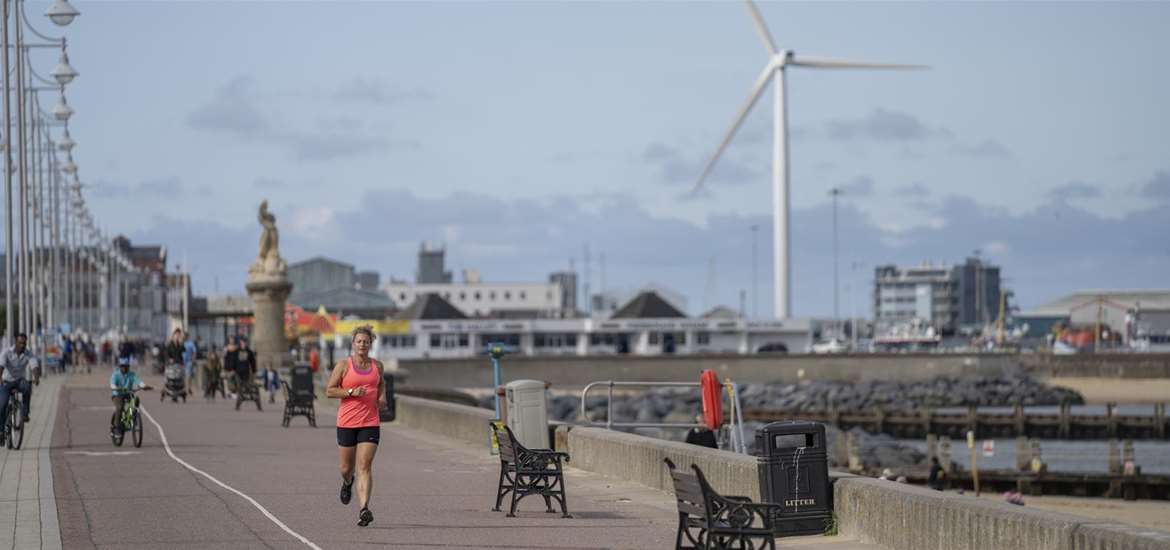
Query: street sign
[[988, 447]]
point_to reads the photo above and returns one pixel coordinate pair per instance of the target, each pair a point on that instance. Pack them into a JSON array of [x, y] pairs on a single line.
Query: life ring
[[712, 399]]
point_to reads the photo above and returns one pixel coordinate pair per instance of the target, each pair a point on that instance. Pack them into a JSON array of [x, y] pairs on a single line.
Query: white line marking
[[262, 509], [103, 453]]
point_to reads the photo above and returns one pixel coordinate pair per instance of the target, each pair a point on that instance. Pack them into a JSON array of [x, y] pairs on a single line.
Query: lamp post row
[[58, 239]]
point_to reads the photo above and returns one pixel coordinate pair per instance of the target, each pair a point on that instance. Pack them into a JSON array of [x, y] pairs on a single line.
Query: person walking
[[230, 358], [212, 382], [358, 383]]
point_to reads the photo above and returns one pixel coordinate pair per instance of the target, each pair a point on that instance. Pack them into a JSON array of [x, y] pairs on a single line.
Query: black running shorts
[[350, 437]]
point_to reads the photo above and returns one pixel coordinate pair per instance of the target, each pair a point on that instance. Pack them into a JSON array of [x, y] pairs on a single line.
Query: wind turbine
[[778, 62]]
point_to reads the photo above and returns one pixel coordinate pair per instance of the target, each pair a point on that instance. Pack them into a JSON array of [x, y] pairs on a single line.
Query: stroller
[[176, 384]]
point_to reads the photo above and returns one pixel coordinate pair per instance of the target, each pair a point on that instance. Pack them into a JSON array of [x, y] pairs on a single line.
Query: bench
[[525, 472], [298, 398], [708, 520]]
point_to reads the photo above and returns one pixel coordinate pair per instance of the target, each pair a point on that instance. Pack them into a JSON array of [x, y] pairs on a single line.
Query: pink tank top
[[359, 411]]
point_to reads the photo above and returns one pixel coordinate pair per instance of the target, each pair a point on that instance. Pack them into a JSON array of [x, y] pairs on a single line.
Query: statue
[[268, 262]]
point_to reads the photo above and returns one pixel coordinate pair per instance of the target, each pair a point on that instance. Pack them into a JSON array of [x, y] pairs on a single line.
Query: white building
[[476, 299], [647, 325]]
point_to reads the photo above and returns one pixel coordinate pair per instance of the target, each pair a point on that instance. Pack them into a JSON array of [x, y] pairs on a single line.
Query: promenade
[[245, 482]]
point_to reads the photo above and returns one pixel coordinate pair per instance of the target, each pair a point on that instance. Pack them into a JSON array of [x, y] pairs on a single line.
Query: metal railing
[[610, 424]]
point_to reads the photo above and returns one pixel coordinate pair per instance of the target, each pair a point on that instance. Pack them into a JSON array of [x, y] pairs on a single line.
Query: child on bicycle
[[122, 382]]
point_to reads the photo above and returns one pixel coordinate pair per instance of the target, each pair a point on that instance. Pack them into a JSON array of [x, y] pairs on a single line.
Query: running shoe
[[346, 491], [365, 517]]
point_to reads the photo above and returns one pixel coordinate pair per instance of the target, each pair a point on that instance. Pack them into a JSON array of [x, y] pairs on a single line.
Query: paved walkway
[[236, 479], [28, 511]]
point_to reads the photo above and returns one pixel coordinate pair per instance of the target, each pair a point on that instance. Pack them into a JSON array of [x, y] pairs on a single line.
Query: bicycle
[[13, 421], [131, 419]]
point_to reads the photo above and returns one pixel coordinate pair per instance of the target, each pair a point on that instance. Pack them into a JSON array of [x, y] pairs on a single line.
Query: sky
[[520, 133]]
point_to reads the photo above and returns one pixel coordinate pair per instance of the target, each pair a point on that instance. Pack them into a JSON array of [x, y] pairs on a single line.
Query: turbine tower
[[778, 62]]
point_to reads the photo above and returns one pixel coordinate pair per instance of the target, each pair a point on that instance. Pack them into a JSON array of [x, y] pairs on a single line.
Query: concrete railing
[[896, 515], [460, 422], [889, 514]]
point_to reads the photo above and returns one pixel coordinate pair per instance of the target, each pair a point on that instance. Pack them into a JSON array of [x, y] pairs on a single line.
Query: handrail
[[610, 424]]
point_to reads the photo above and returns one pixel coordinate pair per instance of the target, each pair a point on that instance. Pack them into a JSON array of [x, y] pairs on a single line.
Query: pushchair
[[176, 384]]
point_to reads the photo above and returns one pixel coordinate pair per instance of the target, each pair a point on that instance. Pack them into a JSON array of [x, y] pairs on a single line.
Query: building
[[944, 299], [320, 274], [1139, 318], [979, 293], [324, 283], [568, 283], [648, 325], [482, 300], [431, 269], [368, 280]]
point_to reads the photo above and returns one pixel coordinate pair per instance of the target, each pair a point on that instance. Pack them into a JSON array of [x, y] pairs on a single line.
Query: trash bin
[[387, 414], [528, 412], [794, 473]]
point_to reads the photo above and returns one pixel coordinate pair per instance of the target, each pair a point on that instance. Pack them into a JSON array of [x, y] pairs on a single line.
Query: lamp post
[[13, 25], [835, 192], [755, 308]]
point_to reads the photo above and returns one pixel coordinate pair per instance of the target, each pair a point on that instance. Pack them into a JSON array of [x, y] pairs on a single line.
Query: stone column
[[268, 341]]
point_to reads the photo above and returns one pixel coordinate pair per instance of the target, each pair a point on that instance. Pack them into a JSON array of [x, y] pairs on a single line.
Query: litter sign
[[988, 447]]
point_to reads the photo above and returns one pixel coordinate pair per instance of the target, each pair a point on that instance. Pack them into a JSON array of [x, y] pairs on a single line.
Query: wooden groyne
[[1018, 423]]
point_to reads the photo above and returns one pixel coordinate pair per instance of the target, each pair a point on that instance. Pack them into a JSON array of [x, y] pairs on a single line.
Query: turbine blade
[[830, 63], [761, 28], [757, 90]]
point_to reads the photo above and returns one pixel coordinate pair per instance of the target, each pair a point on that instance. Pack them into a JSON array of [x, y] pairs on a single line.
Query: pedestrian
[[245, 367], [358, 383], [190, 353], [212, 381], [230, 357], [935, 479], [271, 382]]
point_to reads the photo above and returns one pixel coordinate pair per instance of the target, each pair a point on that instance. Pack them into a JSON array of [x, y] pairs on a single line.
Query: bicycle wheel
[[137, 429], [16, 435]]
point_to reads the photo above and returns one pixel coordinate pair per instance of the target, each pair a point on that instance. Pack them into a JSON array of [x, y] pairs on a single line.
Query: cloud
[[915, 189], [881, 125], [1158, 187], [372, 90], [860, 186], [236, 110], [233, 110], [165, 187], [1074, 190], [675, 168], [988, 148]]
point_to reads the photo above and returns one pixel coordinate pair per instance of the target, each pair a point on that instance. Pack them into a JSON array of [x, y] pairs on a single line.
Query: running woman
[[357, 381]]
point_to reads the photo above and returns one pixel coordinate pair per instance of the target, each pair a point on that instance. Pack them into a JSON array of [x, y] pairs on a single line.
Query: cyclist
[[16, 362], [121, 382]]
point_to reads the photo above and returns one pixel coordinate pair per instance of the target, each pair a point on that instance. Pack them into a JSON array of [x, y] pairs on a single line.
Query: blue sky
[[519, 132]]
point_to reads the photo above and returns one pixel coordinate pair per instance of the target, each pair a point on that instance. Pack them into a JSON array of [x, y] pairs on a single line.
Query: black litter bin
[[387, 414], [794, 473]]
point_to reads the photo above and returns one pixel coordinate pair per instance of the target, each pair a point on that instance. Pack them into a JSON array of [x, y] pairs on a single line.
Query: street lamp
[[64, 73], [62, 13], [835, 192], [62, 111]]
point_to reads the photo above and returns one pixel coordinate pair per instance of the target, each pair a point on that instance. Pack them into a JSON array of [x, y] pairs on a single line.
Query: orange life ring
[[712, 392]]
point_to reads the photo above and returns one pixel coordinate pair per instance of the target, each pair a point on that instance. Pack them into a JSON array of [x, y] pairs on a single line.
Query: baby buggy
[[176, 384]]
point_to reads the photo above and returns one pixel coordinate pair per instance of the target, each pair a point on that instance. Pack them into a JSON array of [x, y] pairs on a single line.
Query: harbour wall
[[575, 371], [892, 515]]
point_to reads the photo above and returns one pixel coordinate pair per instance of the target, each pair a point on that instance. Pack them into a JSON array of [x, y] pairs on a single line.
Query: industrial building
[[944, 298]]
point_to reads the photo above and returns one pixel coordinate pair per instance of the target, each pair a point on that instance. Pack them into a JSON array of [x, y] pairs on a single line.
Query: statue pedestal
[[268, 297]]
